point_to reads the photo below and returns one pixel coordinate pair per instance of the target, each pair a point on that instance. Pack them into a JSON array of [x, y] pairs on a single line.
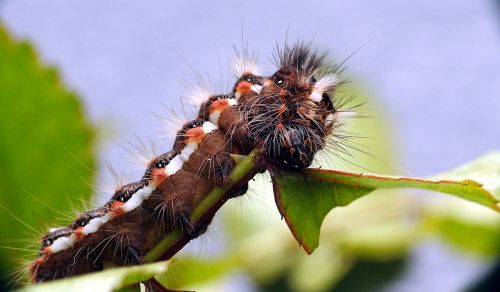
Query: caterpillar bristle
[[141, 153], [172, 123]]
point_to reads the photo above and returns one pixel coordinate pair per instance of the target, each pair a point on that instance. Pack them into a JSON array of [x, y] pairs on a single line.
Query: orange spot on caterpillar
[[33, 267], [40, 260], [195, 135], [282, 109], [158, 175], [243, 87], [280, 127], [47, 250], [79, 233], [218, 105], [116, 208]]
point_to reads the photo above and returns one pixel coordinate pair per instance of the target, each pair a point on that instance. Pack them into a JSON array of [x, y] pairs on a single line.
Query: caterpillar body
[[288, 115]]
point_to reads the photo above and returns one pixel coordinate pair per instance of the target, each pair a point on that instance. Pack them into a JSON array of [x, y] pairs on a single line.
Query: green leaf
[[189, 271], [305, 198], [46, 149], [304, 202], [107, 280]]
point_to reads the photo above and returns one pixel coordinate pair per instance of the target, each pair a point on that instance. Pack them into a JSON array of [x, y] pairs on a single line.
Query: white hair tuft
[[244, 64], [173, 123], [198, 95], [325, 83]]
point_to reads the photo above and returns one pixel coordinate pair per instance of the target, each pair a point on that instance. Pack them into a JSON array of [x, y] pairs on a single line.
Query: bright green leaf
[[304, 202], [46, 148], [189, 271], [305, 198], [108, 280]]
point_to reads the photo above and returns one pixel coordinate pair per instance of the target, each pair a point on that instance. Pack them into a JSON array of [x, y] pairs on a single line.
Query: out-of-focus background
[[429, 70]]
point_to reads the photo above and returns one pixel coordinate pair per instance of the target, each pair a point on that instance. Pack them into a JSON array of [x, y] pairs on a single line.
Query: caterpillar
[[288, 115]]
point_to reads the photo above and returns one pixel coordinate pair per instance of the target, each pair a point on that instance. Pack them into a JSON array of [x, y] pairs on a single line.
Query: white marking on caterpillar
[[209, 127], [178, 161], [215, 114], [256, 88], [138, 197], [95, 223], [174, 165], [214, 117], [322, 85], [63, 243], [189, 149], [55, 229]]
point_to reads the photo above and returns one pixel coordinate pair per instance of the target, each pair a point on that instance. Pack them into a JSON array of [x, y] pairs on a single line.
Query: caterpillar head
[[291, 117]]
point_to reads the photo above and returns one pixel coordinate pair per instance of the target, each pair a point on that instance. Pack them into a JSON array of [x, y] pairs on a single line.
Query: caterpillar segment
[[54, 264]]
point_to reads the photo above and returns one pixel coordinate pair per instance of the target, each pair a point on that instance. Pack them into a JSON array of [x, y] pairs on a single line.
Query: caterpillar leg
[[132, 256], [194, 230], [240, 191], [223, 168]]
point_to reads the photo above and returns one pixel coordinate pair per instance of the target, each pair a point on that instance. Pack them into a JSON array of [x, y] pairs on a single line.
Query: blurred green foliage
[[46, 150]]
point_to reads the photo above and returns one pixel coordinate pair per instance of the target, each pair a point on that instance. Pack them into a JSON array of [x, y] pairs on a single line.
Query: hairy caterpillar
[[288, 115]]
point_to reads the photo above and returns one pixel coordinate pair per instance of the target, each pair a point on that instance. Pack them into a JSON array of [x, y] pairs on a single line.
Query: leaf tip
[[308, 249]]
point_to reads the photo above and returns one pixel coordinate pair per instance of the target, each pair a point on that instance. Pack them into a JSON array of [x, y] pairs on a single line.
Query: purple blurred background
[[433, 67]]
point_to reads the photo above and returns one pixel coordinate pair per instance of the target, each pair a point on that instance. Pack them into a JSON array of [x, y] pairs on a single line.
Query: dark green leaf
[[304, 202]]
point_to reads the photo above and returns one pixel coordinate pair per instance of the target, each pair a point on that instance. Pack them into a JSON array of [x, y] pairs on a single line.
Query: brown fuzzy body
[[52, 266], [62, 265], [179, 193], [278, 114], [131, 236]]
